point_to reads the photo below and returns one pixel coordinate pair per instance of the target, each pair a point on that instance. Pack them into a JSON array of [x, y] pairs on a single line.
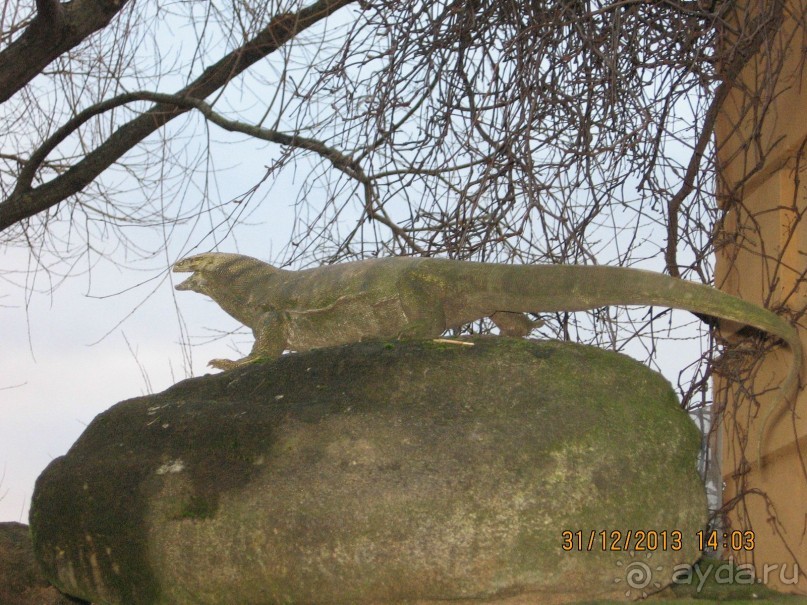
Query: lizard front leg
[[422, 308], [271, 339]]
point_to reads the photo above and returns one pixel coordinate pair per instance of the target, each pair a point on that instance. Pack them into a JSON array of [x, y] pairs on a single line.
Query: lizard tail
[[548, 288]]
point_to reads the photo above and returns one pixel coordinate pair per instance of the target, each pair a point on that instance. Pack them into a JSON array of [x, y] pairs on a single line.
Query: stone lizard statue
[[400, 297]]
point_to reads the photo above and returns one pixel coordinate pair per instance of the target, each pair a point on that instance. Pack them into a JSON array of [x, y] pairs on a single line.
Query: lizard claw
[[222, 364]]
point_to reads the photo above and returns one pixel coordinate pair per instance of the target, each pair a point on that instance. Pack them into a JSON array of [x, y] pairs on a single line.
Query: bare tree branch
[[56, 29], [25, 202], [764, 27]]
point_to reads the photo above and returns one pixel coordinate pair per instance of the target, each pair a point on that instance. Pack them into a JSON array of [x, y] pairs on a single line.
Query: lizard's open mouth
[[188, 283], [195, 282], [185, 285]]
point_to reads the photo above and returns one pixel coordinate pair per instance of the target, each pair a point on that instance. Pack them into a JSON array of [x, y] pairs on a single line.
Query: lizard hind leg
[[514, 324]]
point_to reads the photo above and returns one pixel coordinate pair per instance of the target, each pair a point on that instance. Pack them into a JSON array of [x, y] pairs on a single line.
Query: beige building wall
[[761, 135]]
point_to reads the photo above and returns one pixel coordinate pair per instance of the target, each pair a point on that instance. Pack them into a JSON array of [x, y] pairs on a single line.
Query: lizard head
[[201, 265], [231, 280], [216, 272]]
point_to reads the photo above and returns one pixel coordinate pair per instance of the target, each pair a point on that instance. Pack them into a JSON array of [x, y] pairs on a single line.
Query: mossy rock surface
[[21, 580], [377, 473]]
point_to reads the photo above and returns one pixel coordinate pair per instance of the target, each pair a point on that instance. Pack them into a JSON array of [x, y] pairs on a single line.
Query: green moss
[[198, 507]]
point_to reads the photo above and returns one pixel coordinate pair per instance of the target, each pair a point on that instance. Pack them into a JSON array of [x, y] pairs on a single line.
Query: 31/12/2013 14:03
[[650, 540]]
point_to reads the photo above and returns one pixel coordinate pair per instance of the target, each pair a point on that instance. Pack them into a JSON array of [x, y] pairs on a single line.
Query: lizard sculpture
[[402, 297]]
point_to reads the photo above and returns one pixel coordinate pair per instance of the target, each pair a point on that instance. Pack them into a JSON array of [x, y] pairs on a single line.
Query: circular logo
[[638, 576]]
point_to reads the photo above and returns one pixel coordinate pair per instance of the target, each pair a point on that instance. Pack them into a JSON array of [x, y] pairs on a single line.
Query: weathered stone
[[378, 473], [21, 581]]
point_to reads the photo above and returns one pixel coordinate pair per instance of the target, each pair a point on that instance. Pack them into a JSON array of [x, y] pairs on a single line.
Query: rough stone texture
[[376, 473], [21, 581]]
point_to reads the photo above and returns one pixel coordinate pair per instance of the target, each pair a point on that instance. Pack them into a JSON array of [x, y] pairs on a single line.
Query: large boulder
[[380, 473], [21, 580]]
